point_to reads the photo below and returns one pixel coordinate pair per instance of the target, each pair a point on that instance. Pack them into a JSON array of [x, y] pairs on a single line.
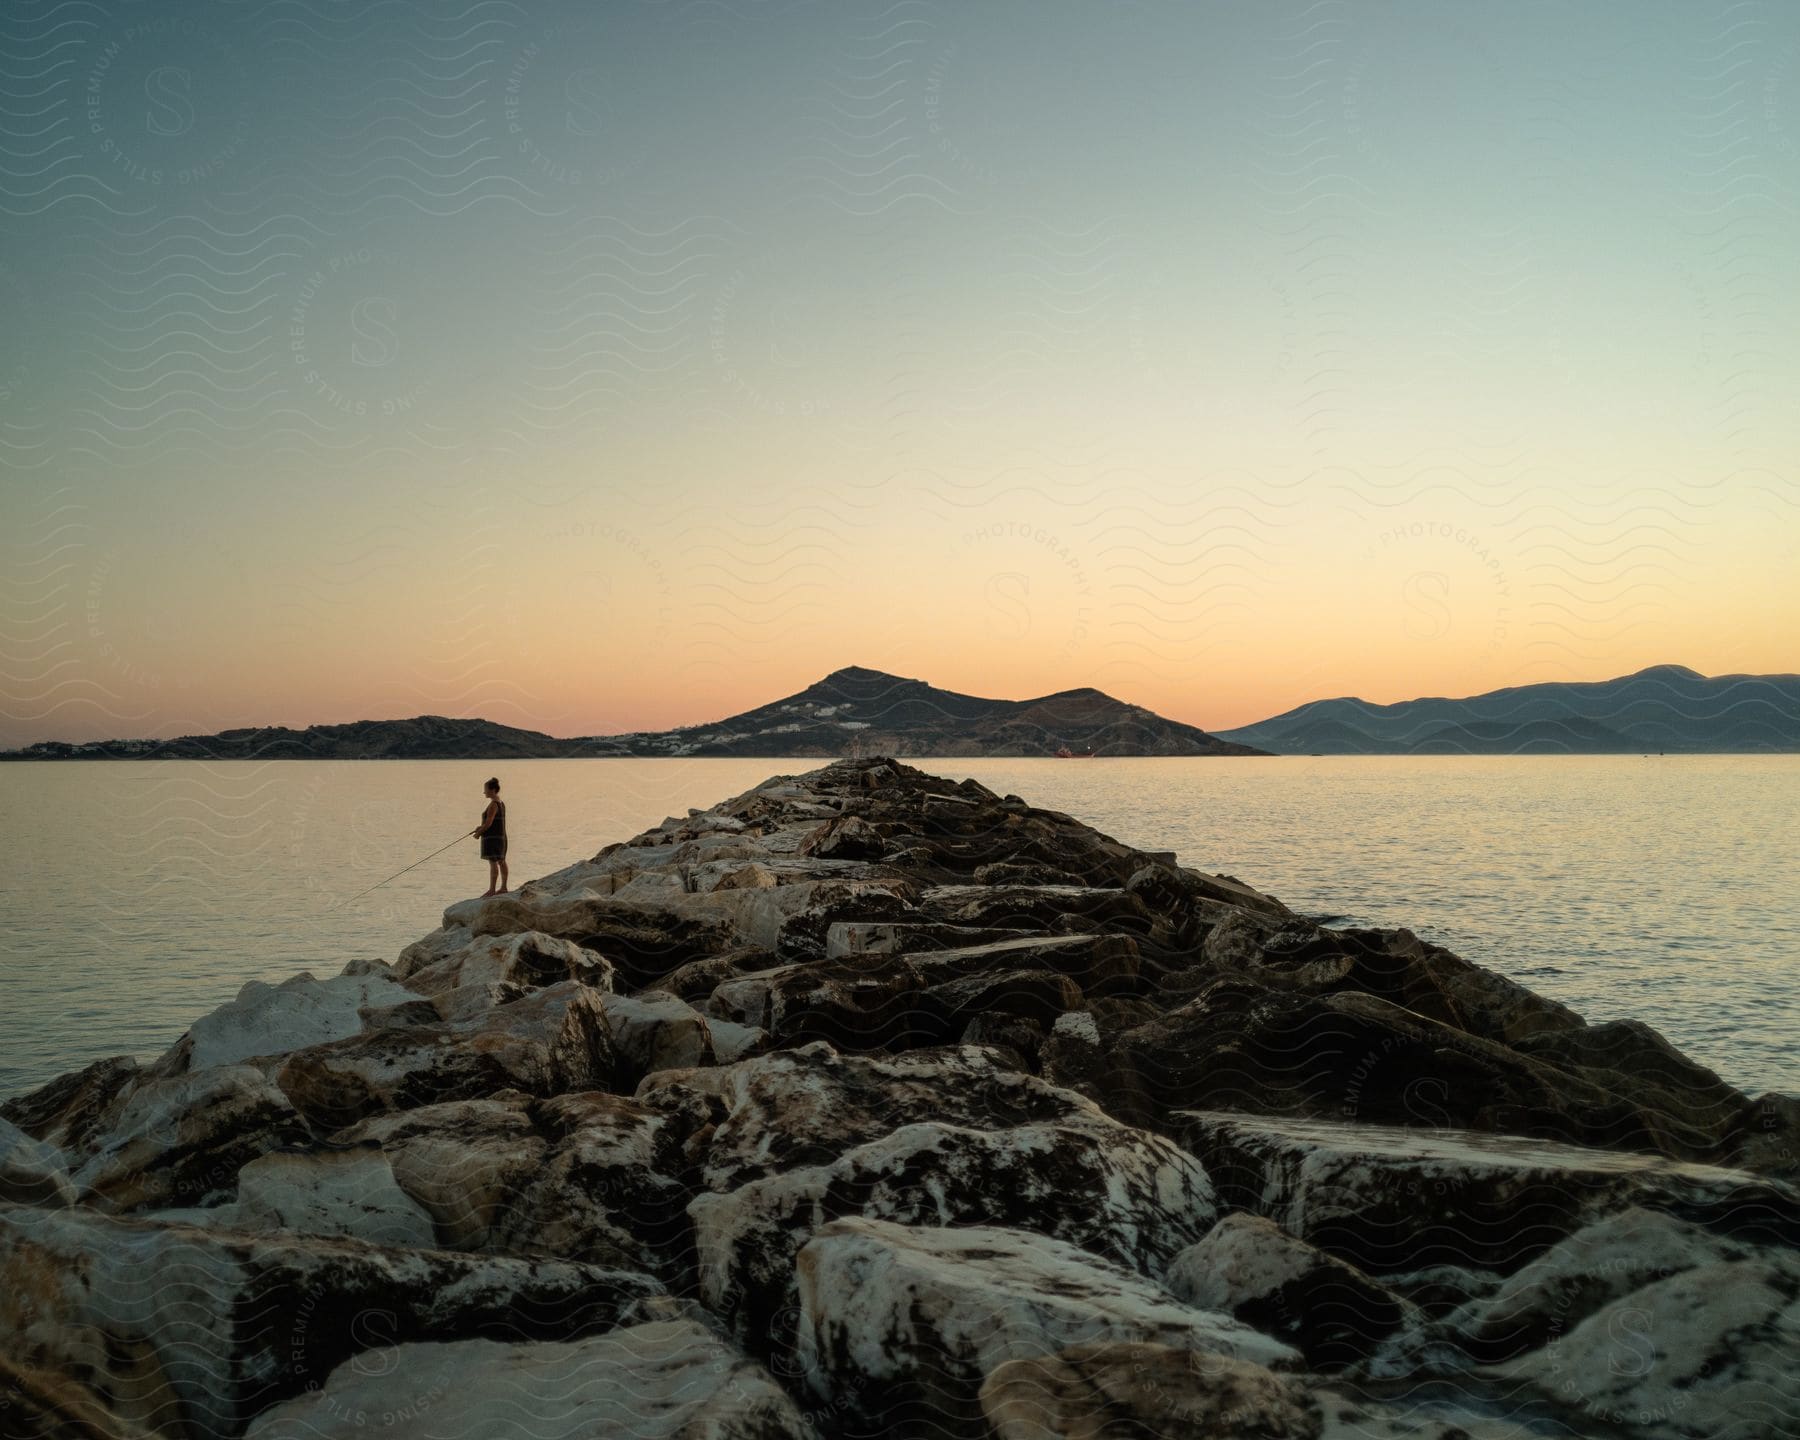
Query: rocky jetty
[[870, 1104]]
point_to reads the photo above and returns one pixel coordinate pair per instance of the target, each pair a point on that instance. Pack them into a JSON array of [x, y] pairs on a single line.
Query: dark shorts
[[493, 847]]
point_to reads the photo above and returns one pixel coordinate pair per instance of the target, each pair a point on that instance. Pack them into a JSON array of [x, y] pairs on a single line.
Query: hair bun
[[495, 783]]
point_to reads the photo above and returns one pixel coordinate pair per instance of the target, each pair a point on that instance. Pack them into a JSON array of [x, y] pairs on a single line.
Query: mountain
[[850, 711], [871, 712], [1663, 708]]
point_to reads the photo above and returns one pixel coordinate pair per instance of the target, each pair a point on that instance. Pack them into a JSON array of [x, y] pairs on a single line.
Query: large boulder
[[268, 1020], [653, 1030], [1706, 1354], [491, 970], [802, 1107], [1393, 1199], [856, 1003], [657, 1380], [72, 1109], [331, 1190], [464, 1162], [1580, 1274], [900, 1322], [182, 1139], [550, 1041], [1328, 1309], [1243, 1045], [1118, 1192], [1139, 1387], [588, 1176], [193, 1331]]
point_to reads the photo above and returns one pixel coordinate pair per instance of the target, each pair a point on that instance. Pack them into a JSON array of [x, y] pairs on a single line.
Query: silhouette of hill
[[850, 711], [1662, 708]]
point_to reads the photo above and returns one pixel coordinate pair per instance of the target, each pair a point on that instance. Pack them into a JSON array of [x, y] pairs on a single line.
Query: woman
[[492, 831]]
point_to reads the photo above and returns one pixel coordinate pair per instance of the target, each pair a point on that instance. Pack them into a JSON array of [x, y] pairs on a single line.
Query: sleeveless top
[[498, 828]]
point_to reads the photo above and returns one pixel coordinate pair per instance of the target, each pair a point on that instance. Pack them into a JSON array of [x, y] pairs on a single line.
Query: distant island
[[1666, 708], [850, 712], [856, 711]]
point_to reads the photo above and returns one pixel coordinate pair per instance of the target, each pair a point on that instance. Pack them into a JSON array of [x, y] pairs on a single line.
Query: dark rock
[[1391, 1199], [1021, 1040], [198, 1330], [1768, 1136], [1328, 1309], [1242, 1045], [41, 1405], [697, 979], [68, 1111], [1039, 995], [845, 837], [854, 1003]]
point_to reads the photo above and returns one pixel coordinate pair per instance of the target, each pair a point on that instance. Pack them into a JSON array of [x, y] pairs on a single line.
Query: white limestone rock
[[587, 1176], [347, 1190], [464, 1162], [934, 1311], [272, 1020], [732, 1042], [1596, 1265], [548, 1042], [1707, 1354], [490, 970], [180, 1139], [807, 1106], [1090, 1181], [440, 944]]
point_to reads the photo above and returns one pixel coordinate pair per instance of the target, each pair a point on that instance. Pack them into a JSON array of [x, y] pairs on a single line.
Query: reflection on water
[[138, 896]]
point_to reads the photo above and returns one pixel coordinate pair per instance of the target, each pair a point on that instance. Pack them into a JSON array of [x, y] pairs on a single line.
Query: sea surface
[[138, 895]]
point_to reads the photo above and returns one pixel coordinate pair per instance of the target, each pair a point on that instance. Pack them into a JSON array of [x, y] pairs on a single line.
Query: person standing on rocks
[[492, 831]]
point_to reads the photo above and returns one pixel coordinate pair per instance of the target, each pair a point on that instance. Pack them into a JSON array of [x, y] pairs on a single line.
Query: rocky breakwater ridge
[[871, 1104]]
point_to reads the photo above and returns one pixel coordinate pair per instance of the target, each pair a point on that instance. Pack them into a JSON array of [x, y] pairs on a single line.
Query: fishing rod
[[398, 873]]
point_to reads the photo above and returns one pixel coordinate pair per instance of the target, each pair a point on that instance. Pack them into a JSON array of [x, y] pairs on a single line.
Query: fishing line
[[398, 873]]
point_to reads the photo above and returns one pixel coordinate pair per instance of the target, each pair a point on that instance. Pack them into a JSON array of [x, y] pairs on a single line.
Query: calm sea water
[[137, 896]]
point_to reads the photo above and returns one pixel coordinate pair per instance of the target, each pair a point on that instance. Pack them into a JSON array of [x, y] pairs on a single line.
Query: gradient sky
[[606, 366]]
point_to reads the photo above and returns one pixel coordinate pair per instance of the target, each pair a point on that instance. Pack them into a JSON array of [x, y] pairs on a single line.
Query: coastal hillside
[[850, 711], [1666, 708], [872, 1105], [855, 710]]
